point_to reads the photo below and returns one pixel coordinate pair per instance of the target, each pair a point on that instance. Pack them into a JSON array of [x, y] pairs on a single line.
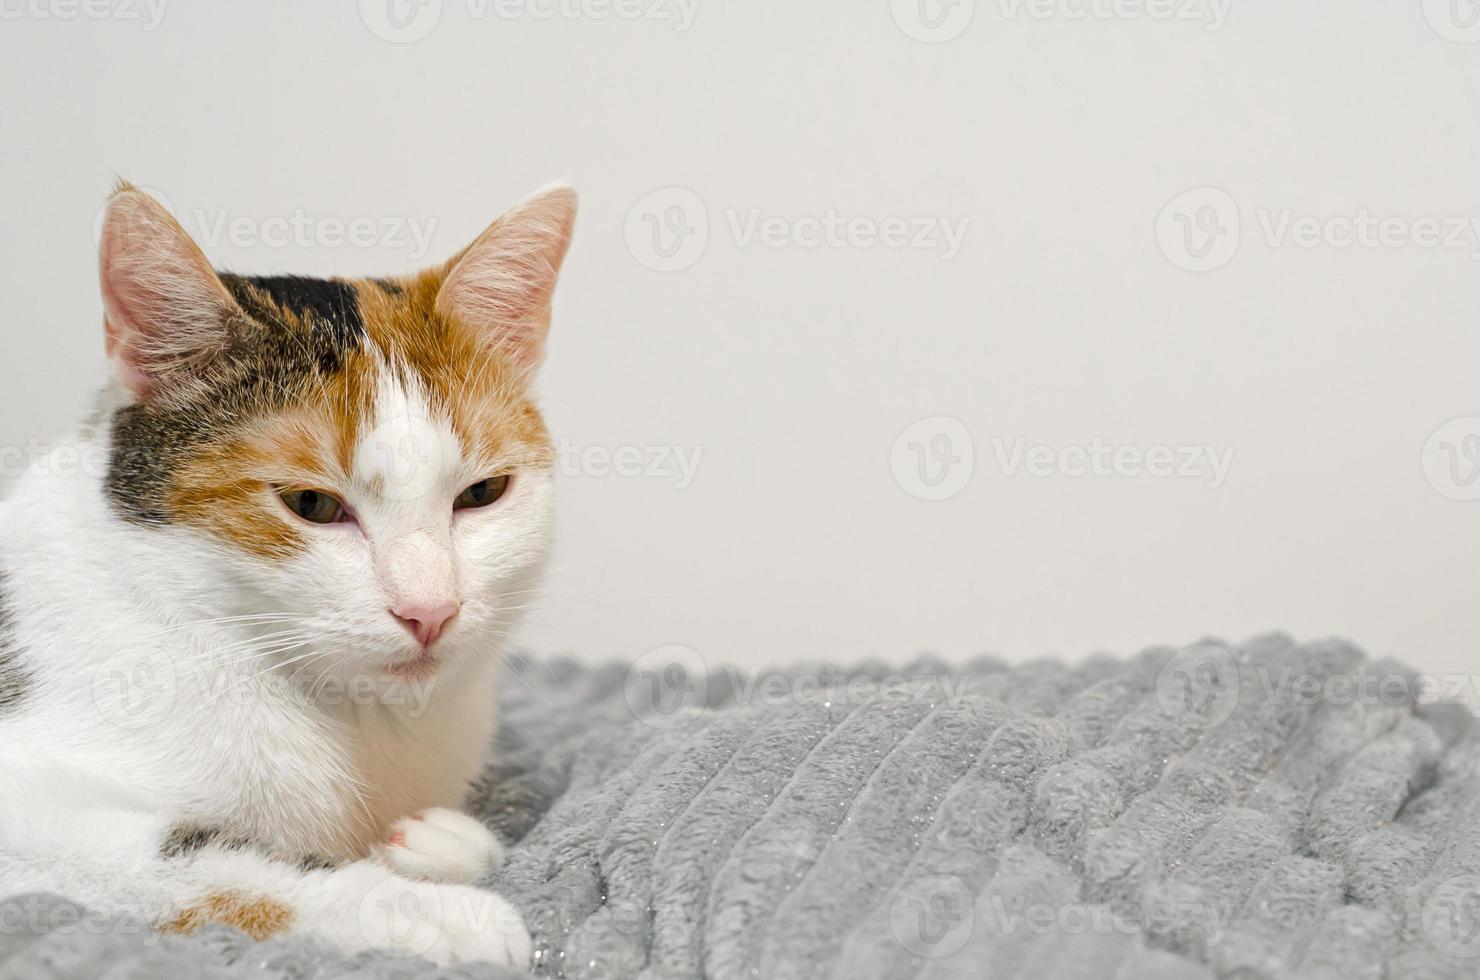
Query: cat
[[247, 661]]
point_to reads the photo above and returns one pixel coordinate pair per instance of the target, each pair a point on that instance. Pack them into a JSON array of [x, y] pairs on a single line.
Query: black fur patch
[[330, 305], [268, 362], [146, 445], [314, 862], [186, 839], [390, 286], [15, 680]]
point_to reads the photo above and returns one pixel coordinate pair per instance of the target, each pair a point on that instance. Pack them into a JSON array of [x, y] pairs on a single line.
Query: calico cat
[[247, 663]]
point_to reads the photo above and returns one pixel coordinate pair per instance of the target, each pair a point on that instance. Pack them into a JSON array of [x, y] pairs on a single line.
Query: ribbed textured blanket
[[1264, 810]]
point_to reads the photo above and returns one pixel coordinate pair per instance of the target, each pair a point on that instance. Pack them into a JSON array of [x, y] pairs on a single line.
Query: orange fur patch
[[259, 917], [479, 388]]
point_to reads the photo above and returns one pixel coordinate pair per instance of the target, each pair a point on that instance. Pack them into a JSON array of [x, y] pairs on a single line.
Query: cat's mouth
[[422, 666]]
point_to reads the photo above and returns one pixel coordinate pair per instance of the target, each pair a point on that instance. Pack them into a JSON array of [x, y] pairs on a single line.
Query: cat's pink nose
[[426, 622]]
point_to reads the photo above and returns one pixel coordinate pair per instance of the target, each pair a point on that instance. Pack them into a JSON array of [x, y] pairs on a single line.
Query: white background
[[1067, 315]]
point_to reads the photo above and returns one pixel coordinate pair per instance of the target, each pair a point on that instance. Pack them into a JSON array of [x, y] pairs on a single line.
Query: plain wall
[[1093, 301]]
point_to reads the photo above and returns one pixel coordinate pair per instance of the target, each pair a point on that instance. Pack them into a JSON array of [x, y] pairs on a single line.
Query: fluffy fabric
[[1274, 811]]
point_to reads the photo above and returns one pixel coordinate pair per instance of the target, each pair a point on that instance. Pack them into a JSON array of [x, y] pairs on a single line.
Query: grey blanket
[[1269, 810]]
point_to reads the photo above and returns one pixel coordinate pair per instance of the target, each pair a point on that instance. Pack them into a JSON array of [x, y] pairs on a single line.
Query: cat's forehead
[[382, 370], [363, 352]]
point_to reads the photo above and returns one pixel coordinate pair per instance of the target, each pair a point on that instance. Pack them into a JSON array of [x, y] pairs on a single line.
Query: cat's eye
[[314, 506], [482, 493]]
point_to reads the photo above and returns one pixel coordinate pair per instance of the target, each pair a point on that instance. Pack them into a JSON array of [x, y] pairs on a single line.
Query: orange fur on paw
[[257, 916]]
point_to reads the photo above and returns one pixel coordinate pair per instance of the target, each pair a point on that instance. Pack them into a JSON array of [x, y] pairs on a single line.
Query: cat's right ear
[[166, 312]]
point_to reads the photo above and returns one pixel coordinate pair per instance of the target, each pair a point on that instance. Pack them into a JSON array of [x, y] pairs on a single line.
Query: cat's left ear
[[502, 284]]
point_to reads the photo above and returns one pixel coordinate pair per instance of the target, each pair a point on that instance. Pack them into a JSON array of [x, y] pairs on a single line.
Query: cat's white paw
[[370, 908], [441, 845]]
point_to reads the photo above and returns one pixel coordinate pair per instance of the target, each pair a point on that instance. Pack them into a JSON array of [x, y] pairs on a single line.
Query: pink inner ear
[[162, 301], [502, 285], [130, 374]]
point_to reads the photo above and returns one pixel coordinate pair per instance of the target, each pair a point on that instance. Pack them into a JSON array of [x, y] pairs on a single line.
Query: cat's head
[[357, 462]]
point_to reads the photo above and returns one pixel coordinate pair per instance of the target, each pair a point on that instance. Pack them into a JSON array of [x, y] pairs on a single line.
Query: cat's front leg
[[179, 875], [438, 844]]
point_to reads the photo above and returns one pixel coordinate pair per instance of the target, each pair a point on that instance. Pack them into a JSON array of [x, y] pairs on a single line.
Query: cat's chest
[[332, 785]]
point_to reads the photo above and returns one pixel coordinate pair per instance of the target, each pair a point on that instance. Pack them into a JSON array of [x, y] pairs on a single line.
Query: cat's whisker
[[220, 665], [251, 642], [325, 675], [281, 646], [278, 647], [266, 671], [248, 640], [497, 629], [251, 619], [256, 650], [507, 665], [517, 592]]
